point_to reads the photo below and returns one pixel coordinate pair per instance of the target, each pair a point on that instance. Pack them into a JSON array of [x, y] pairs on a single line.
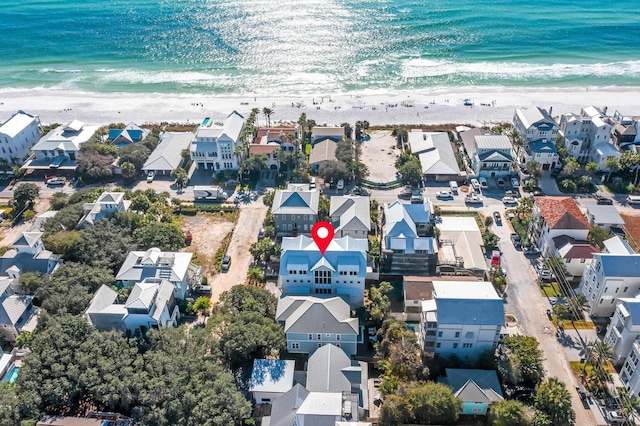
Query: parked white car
[[475, 184], [509, 200], [444, 194], [473, 199]]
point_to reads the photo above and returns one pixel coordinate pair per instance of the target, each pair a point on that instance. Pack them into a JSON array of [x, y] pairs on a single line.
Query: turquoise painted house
[[477, 389]]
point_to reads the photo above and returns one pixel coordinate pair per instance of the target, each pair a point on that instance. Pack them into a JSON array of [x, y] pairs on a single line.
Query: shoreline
[[438, 106]]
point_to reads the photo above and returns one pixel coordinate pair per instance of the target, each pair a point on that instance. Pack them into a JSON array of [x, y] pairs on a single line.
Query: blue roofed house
[[538, 131], [304, 271], [131, 133], [271, 378], [150, 304], [476, 389], [311, 322], [408, 246], [319, 134], [295, 209], [176, 267], [213, 146], [463, 318], [624, 328]]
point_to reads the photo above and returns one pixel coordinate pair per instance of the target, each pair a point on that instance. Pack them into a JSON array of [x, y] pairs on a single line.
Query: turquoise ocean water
[[278, 47]]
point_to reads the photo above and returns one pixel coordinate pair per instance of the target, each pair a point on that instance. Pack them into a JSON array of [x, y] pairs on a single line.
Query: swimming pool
[[12, 374], [205, 121]]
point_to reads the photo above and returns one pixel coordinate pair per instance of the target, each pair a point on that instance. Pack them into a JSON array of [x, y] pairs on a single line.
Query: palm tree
[[553, 399], [570, 166], [517, 141], [267, 115], [254, 115], [255, 276], [629, 406], [534, 169], [613, 165], [591, 166]]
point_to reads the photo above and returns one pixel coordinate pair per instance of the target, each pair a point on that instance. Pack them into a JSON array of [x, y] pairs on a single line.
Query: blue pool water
[[205, 121], [12, 375]]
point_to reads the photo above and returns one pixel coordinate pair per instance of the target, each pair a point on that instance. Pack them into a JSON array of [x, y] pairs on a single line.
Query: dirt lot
[[632, 227], [208, 230], [9, 234], [379, 155]]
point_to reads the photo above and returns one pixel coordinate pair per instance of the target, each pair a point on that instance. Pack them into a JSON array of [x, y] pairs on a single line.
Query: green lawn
[[551, 290]]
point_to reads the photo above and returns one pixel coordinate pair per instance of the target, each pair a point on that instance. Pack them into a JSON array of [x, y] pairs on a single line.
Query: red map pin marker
[[322, 233]]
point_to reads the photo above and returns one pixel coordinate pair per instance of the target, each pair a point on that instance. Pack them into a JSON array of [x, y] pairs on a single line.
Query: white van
[[312, 183], [454, 186], [633, 199], [483, 182]]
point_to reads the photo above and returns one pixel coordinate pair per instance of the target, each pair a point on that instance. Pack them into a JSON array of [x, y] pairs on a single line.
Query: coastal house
[[581, 132], [630, 373], [295, 209], [350, 215], [59, 148], [416, 289], [554, 217], [575, 254], [463, 318], [612, 274], [151, 304], [468, 137], [176, 267], [341, 271], [130, 134], [273, 142], [167, 156], [476, 389], [106, 206], [27, 253], [604, 216], [625, 133], [602, 153], [213, 147], [17, 135], [17, 313], [624, 328], [538, 131], [311, 322], [460, 247], [270, 379], [492, 156], [437, 158], [323, 133], [407, 244], [321, 153]]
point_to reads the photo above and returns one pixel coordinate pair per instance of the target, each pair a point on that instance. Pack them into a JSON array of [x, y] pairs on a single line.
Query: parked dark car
[[405, 194], [604, 201], [497, 218]]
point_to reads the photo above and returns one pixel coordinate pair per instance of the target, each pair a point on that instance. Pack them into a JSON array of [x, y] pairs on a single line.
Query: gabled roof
[[28, 239], [295, 200], [542, 147], [324, 370], [284, 408], [17, 123], [323, 151], [153, 263], [619, 265], [632, 306], [493, 142], [537, 117], [66, 138], [302, 242], [131, 133], [167, 155], [569, 248], [398, 221], [104, 297], [495, 156], [470, 385], [464, 234], [605, 214], [351, 212], [561, 213], [13, 307], [258, 148], [616, 245], [434, 151], [271, 375], [142, 296], [308, 314]]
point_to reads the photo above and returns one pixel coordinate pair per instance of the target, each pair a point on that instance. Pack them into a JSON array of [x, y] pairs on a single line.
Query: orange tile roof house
[[555, 217]]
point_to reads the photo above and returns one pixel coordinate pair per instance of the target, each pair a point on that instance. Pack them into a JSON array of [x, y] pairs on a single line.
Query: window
[[457, 334], [337, 337], [467, 345], [319, 336], [455, 346], [583, 260], [319, 345], [625, 289], [322, 277], [439, 333], [295, 345], [310, 336], [338, 344], [469, 335], [438, 345]]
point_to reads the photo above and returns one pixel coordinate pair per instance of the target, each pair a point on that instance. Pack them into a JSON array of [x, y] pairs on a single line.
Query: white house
[[270, 378], [538, 131], [341, 271], [213, 147], [464, 319], [581, 132], [167, 156], [416, 290], [492, 156], [554, 217], [350, 215], [603, 152], [460, 247], [407, 247], [630, 373], [311, 322], [175, 267], [60, 147], [436, 155], [17, 313], [604, 216], [27, 253], [106, 206], [624, 328], [17, 135], [576, 255], [150, 304]]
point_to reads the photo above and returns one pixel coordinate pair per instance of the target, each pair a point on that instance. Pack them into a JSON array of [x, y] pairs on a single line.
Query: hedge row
[[191, 210]]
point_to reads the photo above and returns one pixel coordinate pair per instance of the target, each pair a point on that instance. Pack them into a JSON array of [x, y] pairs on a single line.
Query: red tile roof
[[574, 249], [257, 148], [561, 213], [275, 132]]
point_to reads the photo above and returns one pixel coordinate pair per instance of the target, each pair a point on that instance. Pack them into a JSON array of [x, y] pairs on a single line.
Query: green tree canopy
[[165, 236], [135, 154], [379, 303], [411, 172], [508, 413], [243, 298], [24, 194], [335, 170], [520, 360], [425, 404], [553, 399], [58, 200], [95, 250]]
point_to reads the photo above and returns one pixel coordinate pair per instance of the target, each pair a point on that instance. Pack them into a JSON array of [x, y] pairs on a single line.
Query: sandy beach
[[490, 105]]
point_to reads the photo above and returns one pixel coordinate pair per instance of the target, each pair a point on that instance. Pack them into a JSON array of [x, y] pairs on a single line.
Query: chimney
[[604, 110], [551, 111]]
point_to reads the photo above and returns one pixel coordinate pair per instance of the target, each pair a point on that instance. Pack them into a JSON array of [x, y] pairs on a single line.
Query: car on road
[[615, 417], [500, 182], [312, 183], [497, 218], [604, 201], [340, 185], [202, 289], [515, 239], [56, 181], [358, 190], [483, 182], [226, 263], [510, 193], [260, 234], [538, 194], [150, 176], [495, 258], [371, 332], [416, 199], [509, 200], [405, 194], [515, 183], [473, 199], [444, 194]]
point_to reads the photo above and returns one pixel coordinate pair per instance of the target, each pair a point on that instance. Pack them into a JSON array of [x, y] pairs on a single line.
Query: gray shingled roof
[[470, 385], [324, 370], [284, 408], [308, 314]]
